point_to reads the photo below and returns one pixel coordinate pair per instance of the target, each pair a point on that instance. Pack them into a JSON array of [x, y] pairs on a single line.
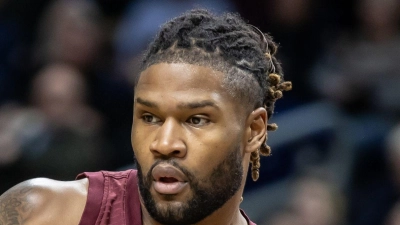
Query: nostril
[[176, 152]]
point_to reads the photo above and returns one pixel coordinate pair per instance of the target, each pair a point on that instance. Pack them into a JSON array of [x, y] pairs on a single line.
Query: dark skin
[[44, 201], [181, 111]]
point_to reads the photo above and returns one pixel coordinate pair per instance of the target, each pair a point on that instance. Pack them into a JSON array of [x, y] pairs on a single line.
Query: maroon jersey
[[113, 199]]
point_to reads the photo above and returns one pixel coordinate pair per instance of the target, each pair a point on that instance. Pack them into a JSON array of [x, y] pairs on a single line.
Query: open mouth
[[168, 179]]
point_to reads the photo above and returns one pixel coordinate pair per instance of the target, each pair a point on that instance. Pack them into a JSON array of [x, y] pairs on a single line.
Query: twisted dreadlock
[[225, 43]]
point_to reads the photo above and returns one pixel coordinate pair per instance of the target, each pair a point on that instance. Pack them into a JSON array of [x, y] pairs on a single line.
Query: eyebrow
[[200, 104], [146, 103], [188, 105]]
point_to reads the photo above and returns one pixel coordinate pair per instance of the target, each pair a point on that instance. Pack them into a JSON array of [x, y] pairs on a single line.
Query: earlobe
[[257, 124]]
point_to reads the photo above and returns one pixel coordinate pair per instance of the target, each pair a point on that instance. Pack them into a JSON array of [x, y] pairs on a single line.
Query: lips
[[168, 179]]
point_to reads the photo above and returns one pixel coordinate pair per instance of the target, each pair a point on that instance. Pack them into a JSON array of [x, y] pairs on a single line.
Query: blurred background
[[66, 73]]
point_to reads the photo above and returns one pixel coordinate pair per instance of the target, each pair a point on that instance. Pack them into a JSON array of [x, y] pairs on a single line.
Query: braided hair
[[228, 44]]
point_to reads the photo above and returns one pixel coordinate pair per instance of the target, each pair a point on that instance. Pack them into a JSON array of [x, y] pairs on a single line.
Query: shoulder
[[44, 201]]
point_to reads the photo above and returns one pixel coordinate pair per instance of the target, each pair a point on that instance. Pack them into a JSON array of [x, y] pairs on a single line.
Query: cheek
[[140, 140], [206, 152]]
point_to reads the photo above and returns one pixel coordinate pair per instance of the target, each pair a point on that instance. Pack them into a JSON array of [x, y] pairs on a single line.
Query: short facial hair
[[208, 194]]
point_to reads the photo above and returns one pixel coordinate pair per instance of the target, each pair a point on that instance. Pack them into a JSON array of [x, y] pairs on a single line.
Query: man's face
[[188, 139]]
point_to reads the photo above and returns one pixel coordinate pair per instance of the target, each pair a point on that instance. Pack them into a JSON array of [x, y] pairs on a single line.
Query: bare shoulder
[[44, 201]]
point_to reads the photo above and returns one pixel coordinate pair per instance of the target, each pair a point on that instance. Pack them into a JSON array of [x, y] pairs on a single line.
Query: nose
[[169, 140]]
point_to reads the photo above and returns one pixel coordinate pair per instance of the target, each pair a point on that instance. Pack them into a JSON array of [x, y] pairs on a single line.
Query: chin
[[171, 212], [164, 206]]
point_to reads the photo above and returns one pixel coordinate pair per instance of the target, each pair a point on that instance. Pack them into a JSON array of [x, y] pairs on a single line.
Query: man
[[207, 87]]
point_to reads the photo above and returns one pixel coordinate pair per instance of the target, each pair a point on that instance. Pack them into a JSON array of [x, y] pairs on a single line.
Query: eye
[[149, 118], [198, 120]]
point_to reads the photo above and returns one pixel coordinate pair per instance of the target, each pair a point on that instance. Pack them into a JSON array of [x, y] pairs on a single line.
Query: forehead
[[174, 79], [173, 85]]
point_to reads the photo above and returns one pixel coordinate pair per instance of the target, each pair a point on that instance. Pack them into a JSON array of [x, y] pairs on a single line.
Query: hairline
[[233, 75]]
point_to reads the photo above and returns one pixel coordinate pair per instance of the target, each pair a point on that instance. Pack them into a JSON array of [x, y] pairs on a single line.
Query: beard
[[208, 194]]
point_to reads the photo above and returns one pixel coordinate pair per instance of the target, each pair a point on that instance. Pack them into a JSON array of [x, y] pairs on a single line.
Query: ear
[[257, 129]]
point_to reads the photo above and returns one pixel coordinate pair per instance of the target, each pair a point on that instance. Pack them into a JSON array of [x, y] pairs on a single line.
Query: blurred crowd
[[66, 91]]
